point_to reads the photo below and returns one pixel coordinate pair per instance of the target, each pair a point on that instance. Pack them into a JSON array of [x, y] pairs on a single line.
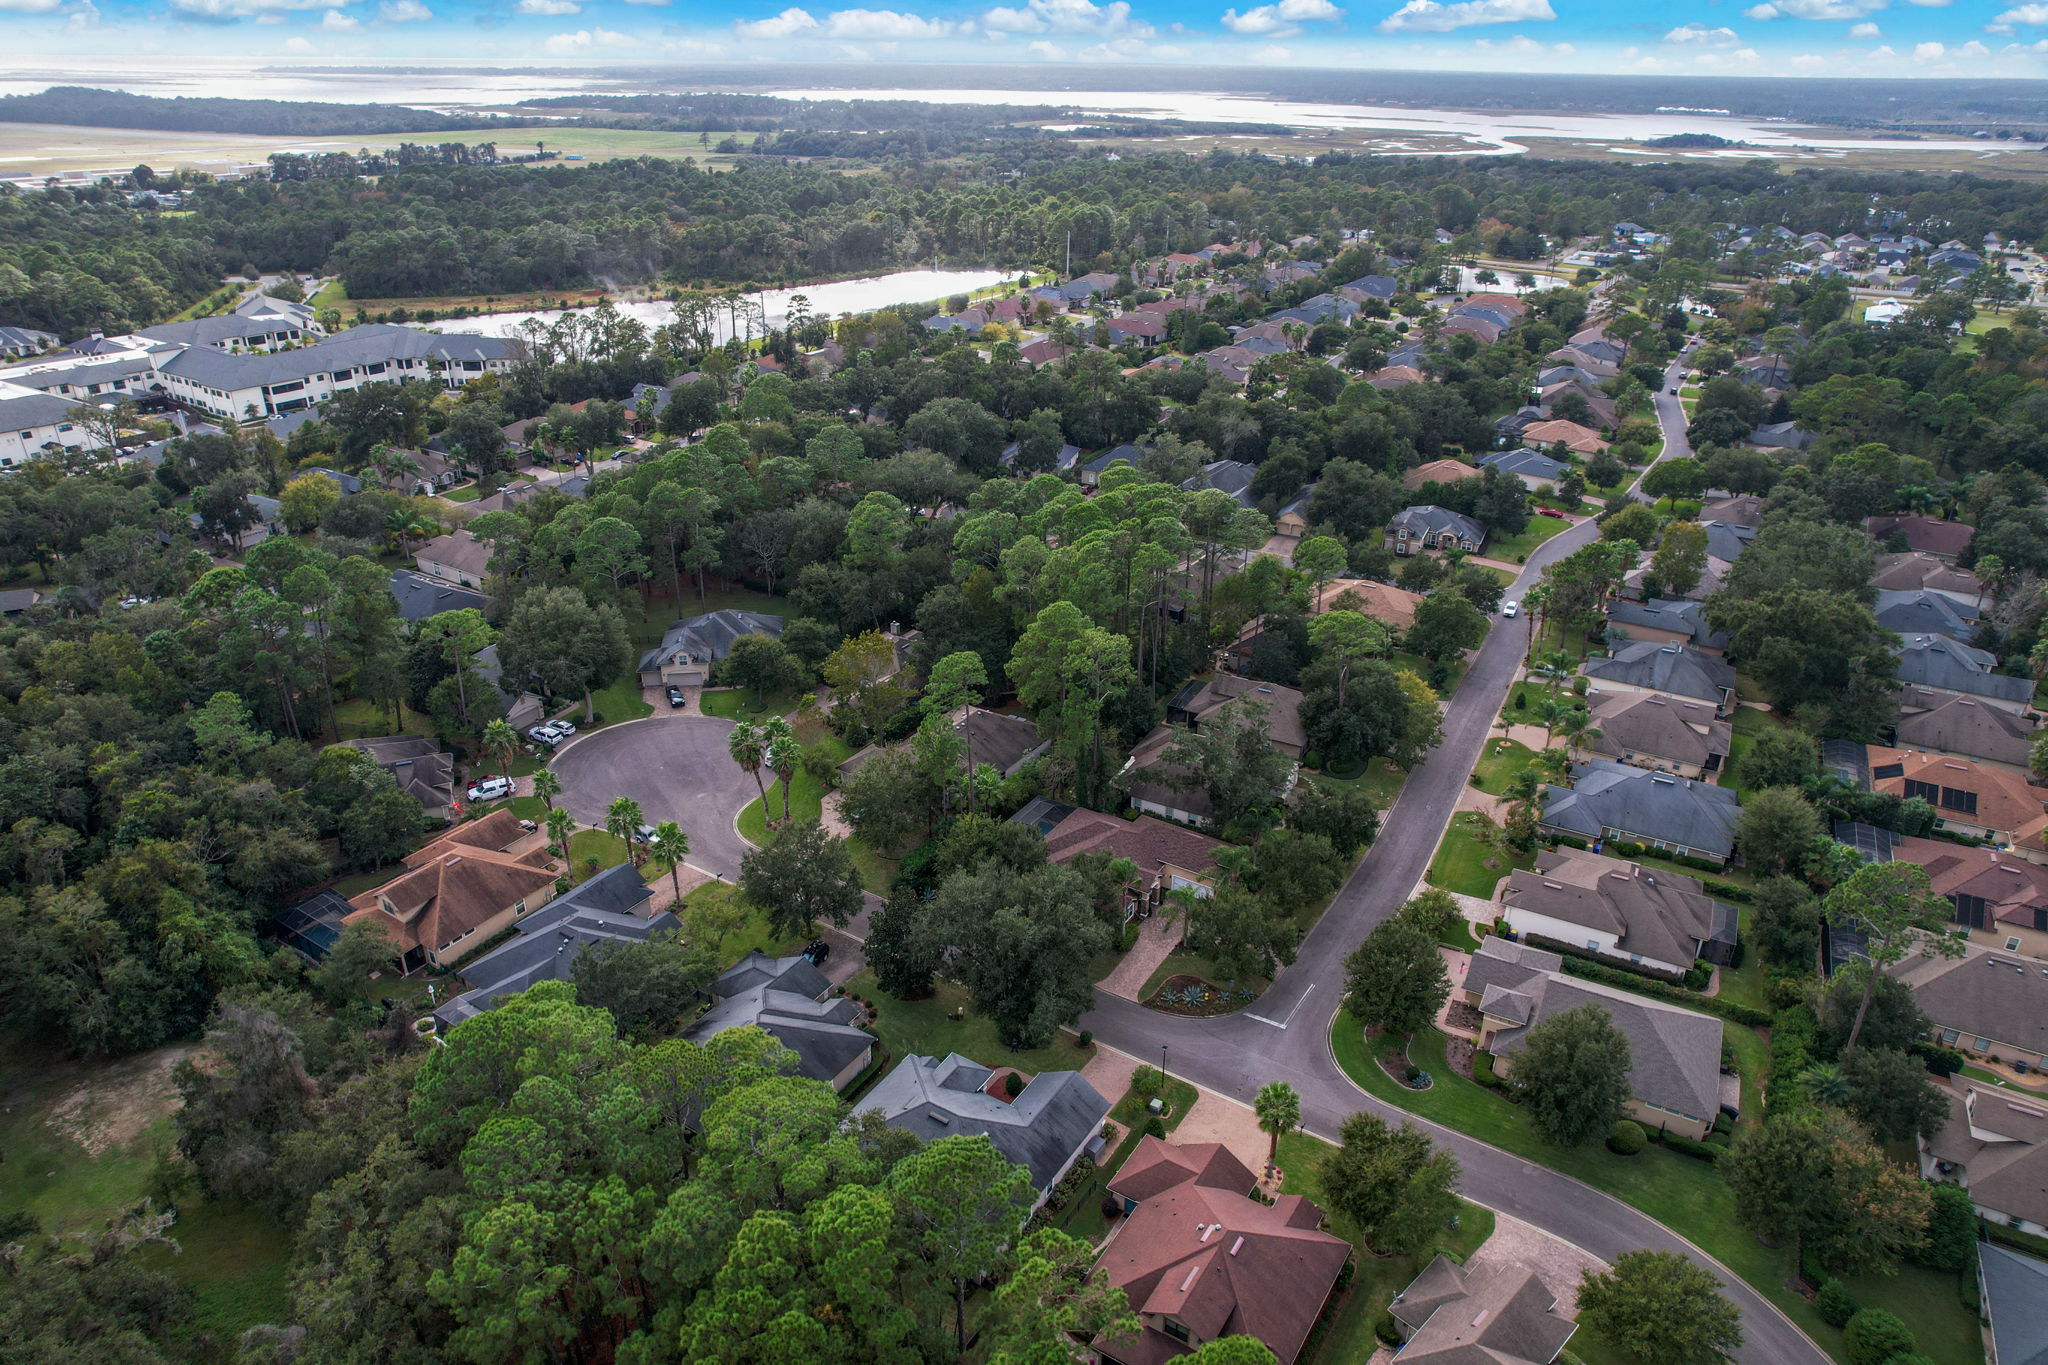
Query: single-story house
[[523, 709], [1916, 611], [1917, 571], [1968, 798], [15, 601], [1199, 1258], [1675, 1053], [1430, 527], [458, 557], [1671, 814], [691, 646], [786, 998], [1003, 741], [1061, 462], [1044, 1129], [419, 596], [1781, 436], [1635, 584], [1496, 1314], [1619, 909], [420, 768], [266, 521], [1227, 476], [1984, 1003], [1667, 620], [1091, 473], [1999, 901], [1168, 857], [1437, 471], [1739, 509], [1670, 734], [1580, 440], [461, 889], [1646, 668], [1381, 601], [1942, 663], [611, 908], [1291, 520], [1964, 727], [1945, 540], [1537, 471]]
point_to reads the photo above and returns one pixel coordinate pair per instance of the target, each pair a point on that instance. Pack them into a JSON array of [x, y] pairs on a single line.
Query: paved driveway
[[677, 767]]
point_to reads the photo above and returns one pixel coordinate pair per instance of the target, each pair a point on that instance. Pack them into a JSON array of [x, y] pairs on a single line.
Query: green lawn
[[361, 719], [620, 701], [926, 1028], [1462, 860], [1382, 781], [806, 802], [609, 850], [1501, 761], [1347, 1335], [737, 703], [750, 931], [468, 492], [1083, 1215], [1683, 1194], [48, 1171], [1422, 668], [1514, 549], [1192, 964]]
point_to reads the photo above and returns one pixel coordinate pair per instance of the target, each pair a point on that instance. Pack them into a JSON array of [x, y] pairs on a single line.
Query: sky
[[1870, 38]]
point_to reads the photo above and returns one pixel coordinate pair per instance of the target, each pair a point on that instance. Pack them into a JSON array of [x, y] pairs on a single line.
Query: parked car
[[490, 789], [644, 834], [564, 728], [817, 950], [1510, 608], [676, 697], [547, 733], [1550, 512]]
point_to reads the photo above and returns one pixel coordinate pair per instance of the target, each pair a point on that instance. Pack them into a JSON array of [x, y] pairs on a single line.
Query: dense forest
[[88, 107]]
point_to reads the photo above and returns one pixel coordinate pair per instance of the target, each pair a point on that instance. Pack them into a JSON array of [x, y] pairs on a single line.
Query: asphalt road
[[1286, 1035], [677, 767]]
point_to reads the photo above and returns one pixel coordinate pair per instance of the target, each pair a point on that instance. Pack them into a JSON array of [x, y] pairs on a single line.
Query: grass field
[[1514, 549], [1498, 764], [1461, 862], [926, 1028], [1382, 780]]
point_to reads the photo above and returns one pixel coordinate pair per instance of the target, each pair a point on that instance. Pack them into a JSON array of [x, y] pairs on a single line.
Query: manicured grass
[[468, 492], [1501, 761], [737, 703], [1461, 862], [347, 887], [1347, 1334], [807, 802], [234, 1258], [1753, 1060], [1083, 1215], [620, 701], [609, 850], [1683, 1194], [750, 931], [926, 1028], [1382, 781], [1422, 668], [1514, 549]]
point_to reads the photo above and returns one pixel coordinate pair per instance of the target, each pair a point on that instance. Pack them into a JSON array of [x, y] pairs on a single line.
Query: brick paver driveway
[[677, 767]]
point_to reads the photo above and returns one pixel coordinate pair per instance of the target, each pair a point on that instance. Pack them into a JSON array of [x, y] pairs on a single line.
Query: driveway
[[677, 767]]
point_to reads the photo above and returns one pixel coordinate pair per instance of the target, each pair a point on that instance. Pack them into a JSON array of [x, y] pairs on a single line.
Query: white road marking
[[1283, 1023]]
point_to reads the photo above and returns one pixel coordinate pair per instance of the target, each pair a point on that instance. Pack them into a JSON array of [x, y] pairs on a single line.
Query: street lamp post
[[1163, 1075]]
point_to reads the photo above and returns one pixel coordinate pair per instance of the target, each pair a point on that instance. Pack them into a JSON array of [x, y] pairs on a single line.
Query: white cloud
[[585, 40], [547, 7], [1807, 61], [2024, 14], [1699, 35], [885, 24], [652, 2], [299, 46], [787, 24], [1866, 30], [1763, 11], [84, 14], [1929, 52], [1272, 54], [1067, 16], [1051, 52], [403, 12], [1972, 49], [1741, 56], [1282, 18], [28, 6], [1432, 16], [1129, 49], [337, 21], [1813, 9], [2040, 45], [228, 10]]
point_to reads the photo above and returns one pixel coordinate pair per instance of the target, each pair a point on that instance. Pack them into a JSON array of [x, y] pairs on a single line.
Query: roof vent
[[1481, 1317], [1189, 1282], [941, 1118], [1207, 1228], [1235, 1246]]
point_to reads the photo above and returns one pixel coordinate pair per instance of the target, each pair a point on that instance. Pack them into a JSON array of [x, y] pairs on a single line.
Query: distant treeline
[[90, 108]]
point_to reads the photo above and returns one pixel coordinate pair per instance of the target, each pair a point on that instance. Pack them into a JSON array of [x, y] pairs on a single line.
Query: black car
[[676, 697], [817, 950]]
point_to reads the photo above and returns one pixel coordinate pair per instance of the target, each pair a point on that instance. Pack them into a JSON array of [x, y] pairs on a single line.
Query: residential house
[[1964, 727], [15, 601], [1769, 373], [1675, 1053], [1381, 601], [1430, 527], [1437, 471], [1168, 858], [1044, 1129], [1669, 734], [1389, 377], [461, 889], [1199, 1258], [266, 520], [1609, 800], [2013, 1289], [1917, 571], [1537, 471], [1158, 786], [1742, 509], [1968, 798], [1600, 409], [1496, 1314], [1984, 1004], [1139, 328], [1061, 462], [419, 767], [1919, 612], [458, 557], [1999, 901], [1096, 467], [1666, 620], [1781, 436], [610, 909], [1618, 909], [16, 342], [1887, 311], [1580, 440], [1291, 521], [1381, 287], [419, 597], [349, 484], [999, 739], [1648, 668], [1726, 540], [786, 998], [690, 647], [1939, 663], [524, 709], [1233, 477], [1945, 540]]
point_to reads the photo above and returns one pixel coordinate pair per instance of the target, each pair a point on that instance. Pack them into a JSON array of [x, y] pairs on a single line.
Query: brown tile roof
[[1394, 377], [1437, 471], [1225, 1264], [1381, 601], [1744, 509], [1493, 1315], [1499, 303], [1283, 705], [1145, 841], [1918, 571], [1931, 534], [461, 551], [2011, 888], [1157, 1166], [458, 882], [1584, 440], [1982, 994], [2004, 800]]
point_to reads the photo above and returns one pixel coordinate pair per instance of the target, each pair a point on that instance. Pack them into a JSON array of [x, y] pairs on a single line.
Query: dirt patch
[[1460, 1053], [117, 1106], [1463, 1015]]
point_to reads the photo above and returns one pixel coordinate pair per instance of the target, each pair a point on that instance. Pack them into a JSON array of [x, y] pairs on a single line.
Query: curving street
[[1287, 1039]]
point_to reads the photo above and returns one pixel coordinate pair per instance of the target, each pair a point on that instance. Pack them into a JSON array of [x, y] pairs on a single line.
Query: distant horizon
[[1843, 39]]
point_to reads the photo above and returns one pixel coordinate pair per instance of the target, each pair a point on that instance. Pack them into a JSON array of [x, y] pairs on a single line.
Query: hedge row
[[1734, 1013]]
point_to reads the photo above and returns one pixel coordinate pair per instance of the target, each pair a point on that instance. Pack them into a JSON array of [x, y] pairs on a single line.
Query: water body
[[826, 300]]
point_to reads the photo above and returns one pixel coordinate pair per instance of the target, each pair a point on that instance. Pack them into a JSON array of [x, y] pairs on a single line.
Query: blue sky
[[1873, 38]]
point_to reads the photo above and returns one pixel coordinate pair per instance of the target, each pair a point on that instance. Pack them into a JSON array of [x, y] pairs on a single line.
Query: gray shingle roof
[[420, 596], [1962, 725], [1943, 662], [1636, 801], [701, 639], [1429, 519], [1664, 613], [1227, 476], [1660, 915], [936, 1097], [20, 412], [822, 1033], [1678, 670], [548, 941], [2016, 1301], [358, 346], [1525, 461], [1921, 613]]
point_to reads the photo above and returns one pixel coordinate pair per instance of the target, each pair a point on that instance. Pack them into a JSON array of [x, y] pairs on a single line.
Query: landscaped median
[[1683, 1193]]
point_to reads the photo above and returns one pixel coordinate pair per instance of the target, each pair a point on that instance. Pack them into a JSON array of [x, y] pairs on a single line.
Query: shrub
[[1155, 1127], [1148, 1081], [1087, 1037], [1483, 1072], [1685, 1146], [1521, 701], [1835, 1304], [1413, 1073], [1951, 1243], [1942, 1061], [1383, 1327], [1112, 1207], [1013, 1084], [1874, 1336], [1728, 891], [1312, 760], [1627, 1138]]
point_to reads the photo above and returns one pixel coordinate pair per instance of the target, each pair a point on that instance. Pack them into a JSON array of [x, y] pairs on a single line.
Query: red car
[[1550, 512]]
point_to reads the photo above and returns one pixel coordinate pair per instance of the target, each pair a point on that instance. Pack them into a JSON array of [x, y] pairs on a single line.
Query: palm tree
[[622, 820], [1552, 713], [547, 786], [411, 523], [1555, 665], [784, 754], [1825, 1083], [561, 825], [1279, 1112], [747, 747], [501, 742], [393, 462], [1576, 725], [1992, 573], [671, 845]]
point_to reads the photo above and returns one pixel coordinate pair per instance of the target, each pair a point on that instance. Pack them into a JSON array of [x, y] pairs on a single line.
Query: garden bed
[[1194, 997]]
